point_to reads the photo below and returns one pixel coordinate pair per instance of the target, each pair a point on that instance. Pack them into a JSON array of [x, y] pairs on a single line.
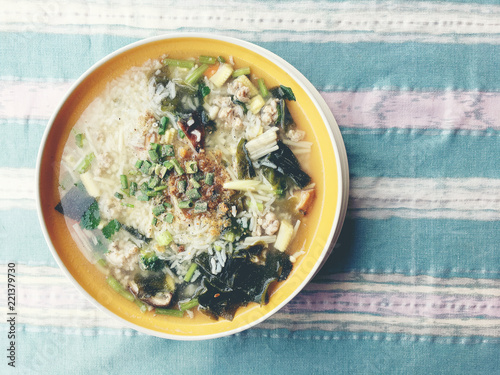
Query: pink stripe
[[369, 110], [420, 110], [410, 304]]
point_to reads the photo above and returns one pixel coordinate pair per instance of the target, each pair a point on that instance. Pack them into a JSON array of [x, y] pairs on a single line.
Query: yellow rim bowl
[[323, 222]]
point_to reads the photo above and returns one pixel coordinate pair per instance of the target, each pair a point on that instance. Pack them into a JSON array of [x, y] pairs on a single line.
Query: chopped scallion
[[181, 134], [241, 72], [158, 210], [209, 178], [200, 207], [142, 197], [193, 194], [185, 204], [79, 140], [169, 218], [208, 59], [167, 150], [118, 195], [85, 164], [153, 182], [190, 272], [164, 238], [138, 163], [177, 166], [171, 312], [196, 74], [194, 183], [124, 181], [153, 155], [181, 186], [262, 87], [191, 166], [179, 63], [189, 304], [160, 188]]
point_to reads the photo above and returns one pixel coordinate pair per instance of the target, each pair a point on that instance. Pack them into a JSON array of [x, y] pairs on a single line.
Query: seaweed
[[244, 167], [134, 232], [75, 203], [284, 161], [242, 280]]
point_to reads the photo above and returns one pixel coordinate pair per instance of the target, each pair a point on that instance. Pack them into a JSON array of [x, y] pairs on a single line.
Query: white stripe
[[47, 298], [472, 198], [360, 20], [374, 198]]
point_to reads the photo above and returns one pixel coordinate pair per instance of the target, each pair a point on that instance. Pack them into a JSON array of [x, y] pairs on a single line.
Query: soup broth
[[186, 182]]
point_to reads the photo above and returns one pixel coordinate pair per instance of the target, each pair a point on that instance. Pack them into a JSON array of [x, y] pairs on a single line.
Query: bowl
[[329, 171]]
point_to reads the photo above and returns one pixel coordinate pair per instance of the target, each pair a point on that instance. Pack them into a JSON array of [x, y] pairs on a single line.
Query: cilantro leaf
[[91, 218], [111, 228]]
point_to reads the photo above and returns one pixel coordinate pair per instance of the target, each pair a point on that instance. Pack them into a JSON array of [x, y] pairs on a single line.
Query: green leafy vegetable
[[91, 218], [111, 228], [284, 161], [149, 261], [283, 92]]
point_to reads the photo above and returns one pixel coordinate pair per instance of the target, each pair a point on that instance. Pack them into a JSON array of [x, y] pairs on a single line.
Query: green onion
[[169, 218], [241, 72], [118, 195], [193, 194], [221, 59], [190, 272], [189, 304], [79, 140], [153, 181], [84, 166], [171, 312], [168, 164], [163, 125], [113, 283], [195, 183], [262, 87], [185, 204], [161, 171], [160, 188], [124, 191], [179, 63], [208, 59], [129, 205], [181, 134], [167, 150], [191, 167], [142, 197], [200, 207], [158, 210], [124, 181], [154, 221], [153, 155], [133, 188], [154, 146], [144, 187], [138, 163], [152, 193], [177, 166], [164, 238], [167, 205], [209, 178], [181, 186], [145, 167], [196, 74], [142, 306]]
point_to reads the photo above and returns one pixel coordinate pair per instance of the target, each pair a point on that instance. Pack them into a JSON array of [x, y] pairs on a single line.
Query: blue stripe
[[421, 153], [21, 236], [337, 66], [366, 246], [441, 248], [371, 153], [22, 153], [253, 352]]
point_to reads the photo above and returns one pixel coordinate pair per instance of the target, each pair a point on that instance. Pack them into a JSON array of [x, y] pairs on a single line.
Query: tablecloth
[[413, 285]]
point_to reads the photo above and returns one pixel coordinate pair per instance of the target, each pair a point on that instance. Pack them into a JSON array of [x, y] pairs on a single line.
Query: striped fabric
[[413, 285]]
